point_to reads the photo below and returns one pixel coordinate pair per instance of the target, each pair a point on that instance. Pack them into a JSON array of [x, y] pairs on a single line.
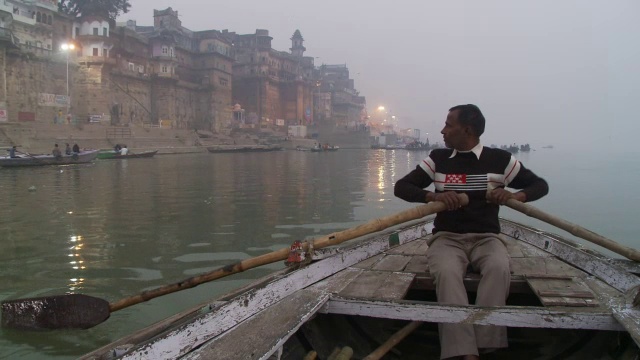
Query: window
[[105, 32], [95, 31], [165, 50], [105, 52], [164, 69], [77, 31], [141, 69], [38, 18], [95, 51], [223, 81], [50, 20], [171, 52], [132, 66]]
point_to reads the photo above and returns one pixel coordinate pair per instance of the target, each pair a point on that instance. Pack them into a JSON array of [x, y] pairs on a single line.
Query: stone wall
[[27, 76], [97, 90]]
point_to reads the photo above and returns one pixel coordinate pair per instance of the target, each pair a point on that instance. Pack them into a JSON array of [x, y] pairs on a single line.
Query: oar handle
[[282, 254], [574, 229]]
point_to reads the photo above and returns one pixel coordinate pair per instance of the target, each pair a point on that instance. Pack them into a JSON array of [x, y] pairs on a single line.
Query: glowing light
[[381, 108], [66, 47]]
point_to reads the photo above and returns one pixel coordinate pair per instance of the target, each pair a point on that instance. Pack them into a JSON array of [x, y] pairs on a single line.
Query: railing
[[118, 132]]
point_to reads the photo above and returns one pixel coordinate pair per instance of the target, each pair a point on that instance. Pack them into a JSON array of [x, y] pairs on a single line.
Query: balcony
[[6, 36]]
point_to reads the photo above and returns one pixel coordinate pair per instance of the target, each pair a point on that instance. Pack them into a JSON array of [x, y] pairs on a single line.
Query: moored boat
[[242, 148], [566, 302], [23, 159], [110, 154]]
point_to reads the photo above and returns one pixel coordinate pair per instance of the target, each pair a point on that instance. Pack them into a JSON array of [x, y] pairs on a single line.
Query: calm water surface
[[112, 229]]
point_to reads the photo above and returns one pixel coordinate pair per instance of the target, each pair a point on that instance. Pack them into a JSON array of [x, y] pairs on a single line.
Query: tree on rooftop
[[110, 8]]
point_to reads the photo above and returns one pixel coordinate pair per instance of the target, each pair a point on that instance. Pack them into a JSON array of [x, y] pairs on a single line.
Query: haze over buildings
[[543, 72]]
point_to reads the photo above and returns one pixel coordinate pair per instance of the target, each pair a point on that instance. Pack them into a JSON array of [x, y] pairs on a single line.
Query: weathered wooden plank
[[514, 316], [591, 264], [547, 276], [621, 307], [379, 284], [417, 264], [268, 330], [410, 248], [416, 247], [542, 266], [392, 263], [265, 332], [368, 263], [527, 265], [562, 292], [567, 293], [183, 339], [513, 247], [566, 301], [395, 286]]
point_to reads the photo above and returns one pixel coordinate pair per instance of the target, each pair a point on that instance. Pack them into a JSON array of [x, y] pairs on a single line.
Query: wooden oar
[[378, 353], [83, 311], [574, 229], [29, 155]]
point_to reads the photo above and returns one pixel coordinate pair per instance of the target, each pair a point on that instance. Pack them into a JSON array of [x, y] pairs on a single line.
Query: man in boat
[[67, 149], [76, 148], [12, 152], [124, 150], [469, 235], [56, 151]]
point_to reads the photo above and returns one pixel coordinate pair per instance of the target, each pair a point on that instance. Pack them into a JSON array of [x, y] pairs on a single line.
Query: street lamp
[[67, 48]]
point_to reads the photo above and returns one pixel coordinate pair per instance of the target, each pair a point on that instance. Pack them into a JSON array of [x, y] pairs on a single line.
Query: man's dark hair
[[470, 115]]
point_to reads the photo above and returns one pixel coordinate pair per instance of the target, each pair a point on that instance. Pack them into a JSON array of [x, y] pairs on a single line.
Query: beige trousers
[[448, 256]]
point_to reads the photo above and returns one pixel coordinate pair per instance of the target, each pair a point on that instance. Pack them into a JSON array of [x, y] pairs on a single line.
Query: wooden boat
[[40, 160], [110, 154], [242, 148], [566, 302], [327, 148]]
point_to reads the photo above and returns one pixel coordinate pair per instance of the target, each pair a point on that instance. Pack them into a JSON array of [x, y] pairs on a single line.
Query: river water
[[114, 228]]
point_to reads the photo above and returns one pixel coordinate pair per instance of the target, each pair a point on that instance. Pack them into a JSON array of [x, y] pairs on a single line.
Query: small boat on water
[[242, 148], [375, 297], [23, 159], [110, 154]]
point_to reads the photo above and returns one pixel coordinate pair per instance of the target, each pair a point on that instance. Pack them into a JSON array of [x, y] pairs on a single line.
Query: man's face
[[453, 133]]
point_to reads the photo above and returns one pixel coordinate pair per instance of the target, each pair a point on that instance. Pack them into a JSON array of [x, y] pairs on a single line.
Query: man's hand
[[449, 198], [500, 196]]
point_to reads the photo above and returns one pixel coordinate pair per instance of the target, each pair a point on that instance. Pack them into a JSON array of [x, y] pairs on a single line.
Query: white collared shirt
[[476, 150]]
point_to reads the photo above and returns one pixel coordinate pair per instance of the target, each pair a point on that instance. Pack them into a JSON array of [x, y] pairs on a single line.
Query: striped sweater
[[464, 172]]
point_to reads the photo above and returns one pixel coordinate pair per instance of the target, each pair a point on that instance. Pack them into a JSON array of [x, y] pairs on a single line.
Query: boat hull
[[110, 155], [42, 160]]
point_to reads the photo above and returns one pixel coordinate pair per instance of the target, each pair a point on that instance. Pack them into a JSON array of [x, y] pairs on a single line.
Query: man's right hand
[[449, 198]]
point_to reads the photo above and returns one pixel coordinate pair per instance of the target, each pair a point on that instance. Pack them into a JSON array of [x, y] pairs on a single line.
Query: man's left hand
[[500, 196]]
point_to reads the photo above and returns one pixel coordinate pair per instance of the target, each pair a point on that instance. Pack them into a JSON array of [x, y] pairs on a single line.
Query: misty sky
[[543, 72]]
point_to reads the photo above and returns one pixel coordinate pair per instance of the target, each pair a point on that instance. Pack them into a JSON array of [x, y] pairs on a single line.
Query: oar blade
[[74, 311]]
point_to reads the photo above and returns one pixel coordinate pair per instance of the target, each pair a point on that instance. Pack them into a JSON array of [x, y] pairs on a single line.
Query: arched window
[[38, 17], [50, 20]]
